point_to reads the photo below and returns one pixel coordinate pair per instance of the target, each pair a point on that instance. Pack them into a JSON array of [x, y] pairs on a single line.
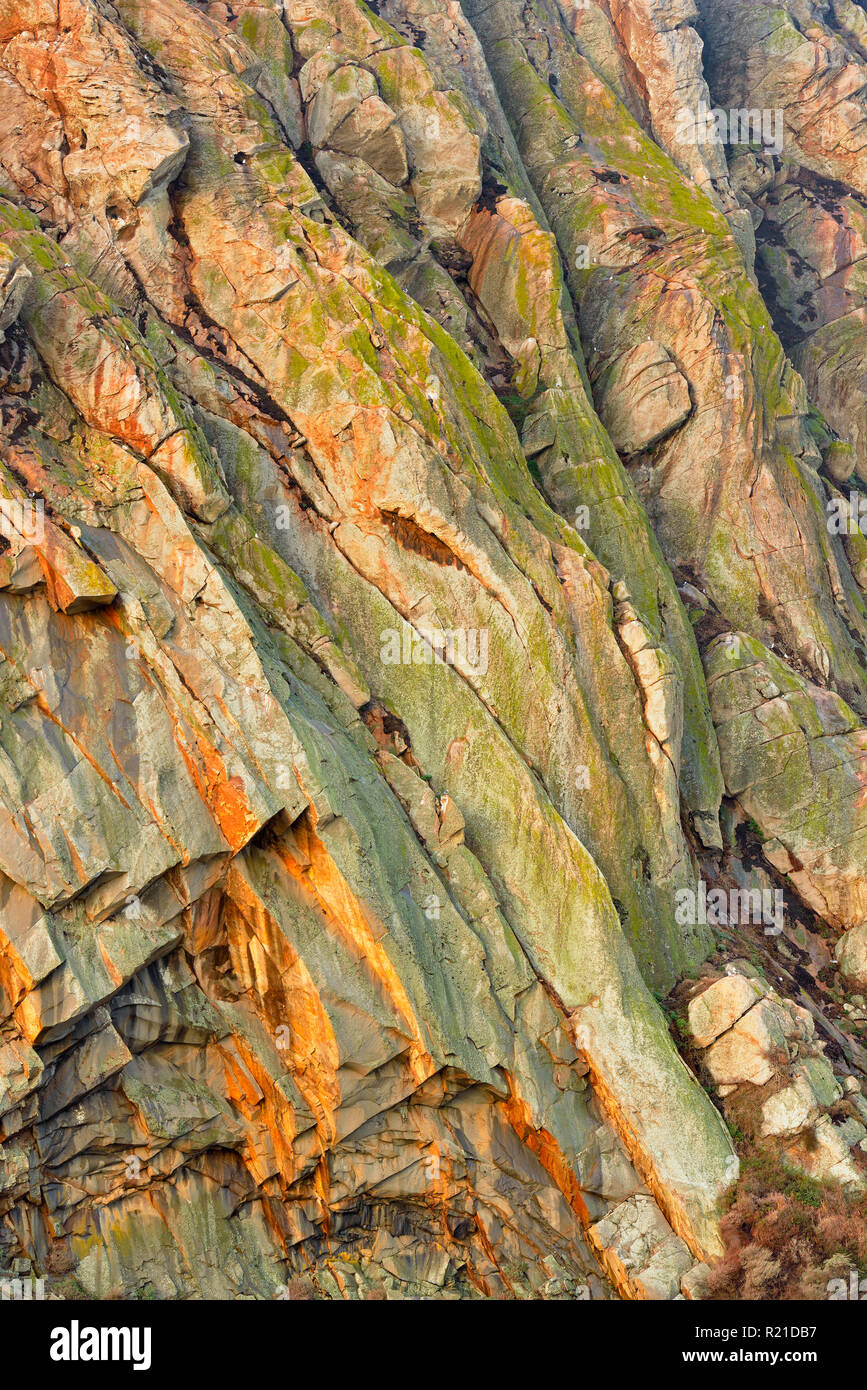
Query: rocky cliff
[[422, 455]]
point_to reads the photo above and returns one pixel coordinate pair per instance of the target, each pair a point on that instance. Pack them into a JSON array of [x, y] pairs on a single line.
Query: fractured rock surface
[[770, 1070], [395, 435]]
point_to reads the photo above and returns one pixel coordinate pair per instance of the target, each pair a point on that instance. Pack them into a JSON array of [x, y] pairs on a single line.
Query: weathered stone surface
[[14, 279], [829, 1155], [640, 1246], [851, 953], [772, 1059], [644, 398], [792, 1109], [751, 1049], [807, 65], [355, 743], [716, 1009], [793, 755]]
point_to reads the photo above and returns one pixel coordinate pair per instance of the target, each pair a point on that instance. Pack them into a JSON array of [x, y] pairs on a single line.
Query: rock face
[[807, 64], [793, 754], [414, 535], [764, 1059]]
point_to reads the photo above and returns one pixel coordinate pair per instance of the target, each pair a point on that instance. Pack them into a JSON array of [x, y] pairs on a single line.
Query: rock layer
[[392, 426]]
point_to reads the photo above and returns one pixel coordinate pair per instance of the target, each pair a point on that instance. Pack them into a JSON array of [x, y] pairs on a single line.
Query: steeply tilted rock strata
[[395, 436]]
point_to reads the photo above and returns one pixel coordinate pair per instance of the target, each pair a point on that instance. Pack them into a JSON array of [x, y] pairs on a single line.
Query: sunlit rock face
[[430, 536]]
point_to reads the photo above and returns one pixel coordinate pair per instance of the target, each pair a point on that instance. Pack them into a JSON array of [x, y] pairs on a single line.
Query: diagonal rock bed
[[415, 568]]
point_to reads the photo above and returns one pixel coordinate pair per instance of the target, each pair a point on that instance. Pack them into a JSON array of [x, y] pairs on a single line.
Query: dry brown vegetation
[[787, 1236]]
